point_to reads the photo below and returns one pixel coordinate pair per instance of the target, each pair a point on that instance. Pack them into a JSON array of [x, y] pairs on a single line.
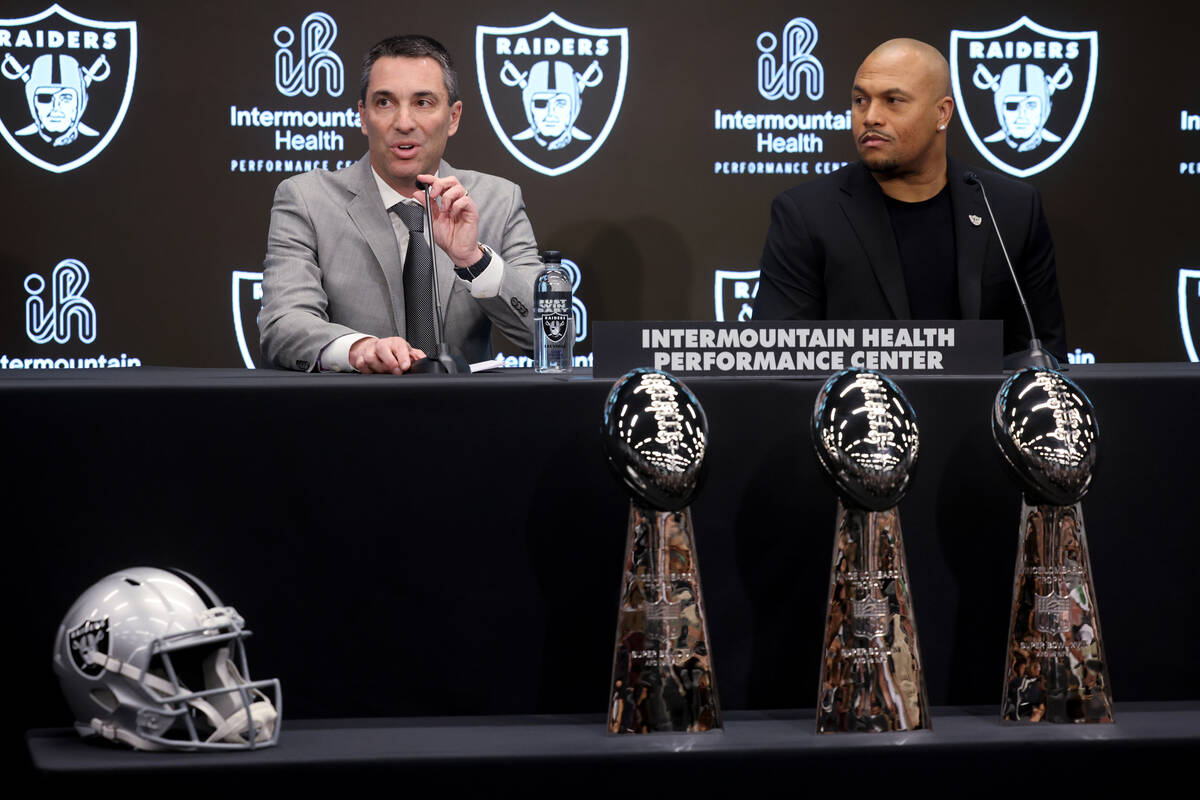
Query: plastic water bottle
[[553, 318]]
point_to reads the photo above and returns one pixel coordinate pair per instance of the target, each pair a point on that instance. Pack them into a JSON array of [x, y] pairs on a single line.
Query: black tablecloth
[[438, 546]]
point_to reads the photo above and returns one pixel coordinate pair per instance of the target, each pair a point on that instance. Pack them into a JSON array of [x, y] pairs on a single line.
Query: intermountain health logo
[[67, 85], [65, 310], [789, 136], [296, 137], [302, 72], [1023, 91], [57, 313], [552, 89], [795, 68]]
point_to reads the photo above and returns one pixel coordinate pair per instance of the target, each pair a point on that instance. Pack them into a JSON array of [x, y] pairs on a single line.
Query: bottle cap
[[551, 256]]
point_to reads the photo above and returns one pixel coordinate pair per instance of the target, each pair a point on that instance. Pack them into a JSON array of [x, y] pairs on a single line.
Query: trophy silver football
[[1055, 669], [655, 436], [866, 438]]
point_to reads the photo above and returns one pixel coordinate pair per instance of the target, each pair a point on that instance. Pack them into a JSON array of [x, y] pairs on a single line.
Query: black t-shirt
[[925, 237]]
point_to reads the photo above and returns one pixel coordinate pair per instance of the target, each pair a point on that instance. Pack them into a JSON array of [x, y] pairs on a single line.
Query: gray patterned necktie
[[418, 280]]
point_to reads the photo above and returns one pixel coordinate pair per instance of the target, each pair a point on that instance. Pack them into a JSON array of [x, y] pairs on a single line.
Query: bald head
[[900, 110], [923, 62]]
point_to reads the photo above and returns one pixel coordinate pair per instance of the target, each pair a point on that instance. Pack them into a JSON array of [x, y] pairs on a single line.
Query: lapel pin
[[976, 220]]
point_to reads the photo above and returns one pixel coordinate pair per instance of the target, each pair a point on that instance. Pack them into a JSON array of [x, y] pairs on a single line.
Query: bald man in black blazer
[[901, 234]]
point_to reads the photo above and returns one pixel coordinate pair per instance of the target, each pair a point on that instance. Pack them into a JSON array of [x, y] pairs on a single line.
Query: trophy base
[[662, 678], [1055, 670], [872, 680]]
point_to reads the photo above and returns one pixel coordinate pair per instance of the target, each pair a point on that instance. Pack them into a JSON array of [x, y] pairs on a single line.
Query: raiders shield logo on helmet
[[734, 293], [247, 301], [552, 89], [66, 87], [1189, 311], [1023, 91], [90, 636]]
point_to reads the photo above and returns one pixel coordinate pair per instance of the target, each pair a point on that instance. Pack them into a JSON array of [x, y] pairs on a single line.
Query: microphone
[[445, 362], [1036, 355]]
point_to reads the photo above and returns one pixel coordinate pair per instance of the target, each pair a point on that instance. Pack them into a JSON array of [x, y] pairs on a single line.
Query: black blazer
[[831, 254]]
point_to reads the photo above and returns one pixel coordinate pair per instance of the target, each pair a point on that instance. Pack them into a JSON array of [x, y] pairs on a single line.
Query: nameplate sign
[[918, 347]]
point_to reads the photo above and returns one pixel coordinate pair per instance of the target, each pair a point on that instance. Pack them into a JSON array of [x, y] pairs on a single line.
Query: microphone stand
[[1036, 355], [445, 362]]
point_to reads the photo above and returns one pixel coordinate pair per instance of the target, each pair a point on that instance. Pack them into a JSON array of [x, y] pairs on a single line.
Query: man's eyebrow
[[895, 90]]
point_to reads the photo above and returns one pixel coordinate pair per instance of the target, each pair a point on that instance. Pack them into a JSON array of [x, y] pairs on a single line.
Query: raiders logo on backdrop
[[1189, 311], [552, 89], [247, 300], [90, 636], [734, 293], [1023, 91], [67, 84]]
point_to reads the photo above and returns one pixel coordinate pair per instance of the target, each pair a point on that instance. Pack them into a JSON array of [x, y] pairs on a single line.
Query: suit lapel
[[371, 218], [862, 202], [970, 239]]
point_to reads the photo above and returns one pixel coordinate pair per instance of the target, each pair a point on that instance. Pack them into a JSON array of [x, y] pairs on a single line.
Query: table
[[437, 546]]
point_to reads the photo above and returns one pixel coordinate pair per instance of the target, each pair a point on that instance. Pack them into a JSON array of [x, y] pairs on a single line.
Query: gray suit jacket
[[333, 267]]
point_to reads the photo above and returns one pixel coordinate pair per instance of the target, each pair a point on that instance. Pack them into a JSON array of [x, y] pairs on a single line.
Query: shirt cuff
[[487, 283], [335, 356]]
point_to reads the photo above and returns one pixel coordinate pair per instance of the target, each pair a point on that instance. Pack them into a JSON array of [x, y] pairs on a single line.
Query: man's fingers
[[399, 354], [393, 354], [382, 357], [436, 185]]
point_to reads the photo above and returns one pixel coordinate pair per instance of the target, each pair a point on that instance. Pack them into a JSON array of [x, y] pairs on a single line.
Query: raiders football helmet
[[151, 658]]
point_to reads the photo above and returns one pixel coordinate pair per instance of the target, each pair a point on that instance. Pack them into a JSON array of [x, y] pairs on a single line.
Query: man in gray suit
[[336, 296]]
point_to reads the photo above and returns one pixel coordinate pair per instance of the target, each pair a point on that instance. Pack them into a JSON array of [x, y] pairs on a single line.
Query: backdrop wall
[[138, 187]]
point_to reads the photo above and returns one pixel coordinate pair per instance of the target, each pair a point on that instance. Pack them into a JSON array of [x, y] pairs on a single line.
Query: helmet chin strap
[[117, 734], [237, 717], [230, 726]]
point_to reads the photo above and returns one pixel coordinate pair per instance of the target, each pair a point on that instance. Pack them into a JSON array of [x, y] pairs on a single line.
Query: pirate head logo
[[246, 303], [1026, 88], [1189, 311], [555, 326], [734, 293], [552, 89], [1023, 99], [90, 637], [551, 94], [555, 311], [69, 80]]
